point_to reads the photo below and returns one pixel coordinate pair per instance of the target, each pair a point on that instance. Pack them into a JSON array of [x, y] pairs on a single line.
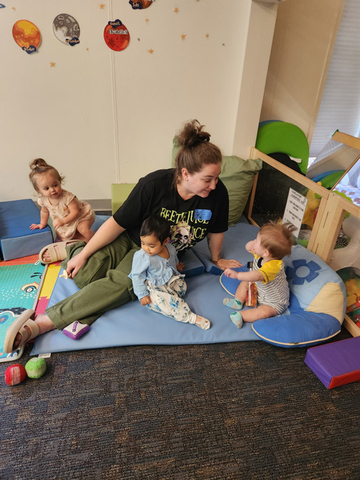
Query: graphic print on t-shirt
[[188, 227]]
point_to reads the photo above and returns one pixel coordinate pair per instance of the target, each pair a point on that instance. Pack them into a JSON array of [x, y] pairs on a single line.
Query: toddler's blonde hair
[[277, 238]]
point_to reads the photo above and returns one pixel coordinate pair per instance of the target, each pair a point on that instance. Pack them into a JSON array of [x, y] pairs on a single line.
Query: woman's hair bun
[[192, 134]]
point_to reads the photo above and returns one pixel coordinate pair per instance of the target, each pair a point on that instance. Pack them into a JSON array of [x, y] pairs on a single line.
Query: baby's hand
[[35, 226], [145, 300], [230, 273], [180, 266], [57, 223]]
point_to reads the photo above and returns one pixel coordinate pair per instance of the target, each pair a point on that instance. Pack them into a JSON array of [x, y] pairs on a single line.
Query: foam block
[[16, 238], [119, 193], [335, 363]]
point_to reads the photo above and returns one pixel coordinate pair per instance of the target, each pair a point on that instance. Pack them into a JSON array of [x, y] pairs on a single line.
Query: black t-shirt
[[191, 220]]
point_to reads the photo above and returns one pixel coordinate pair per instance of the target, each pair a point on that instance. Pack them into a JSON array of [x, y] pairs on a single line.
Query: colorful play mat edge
[[25, 283]]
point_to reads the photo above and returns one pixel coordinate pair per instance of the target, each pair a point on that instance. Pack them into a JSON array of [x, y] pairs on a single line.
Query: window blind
[[340, 103]]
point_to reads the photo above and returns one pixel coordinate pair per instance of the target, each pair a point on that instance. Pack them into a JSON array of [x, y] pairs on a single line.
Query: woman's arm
[[215, 241], [107, 233]]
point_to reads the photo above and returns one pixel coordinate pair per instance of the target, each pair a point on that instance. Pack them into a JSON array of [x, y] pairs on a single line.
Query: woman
[[193, 200]]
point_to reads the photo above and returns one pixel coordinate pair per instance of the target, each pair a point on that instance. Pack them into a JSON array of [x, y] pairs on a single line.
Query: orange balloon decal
[[116, 35], [26, 35]]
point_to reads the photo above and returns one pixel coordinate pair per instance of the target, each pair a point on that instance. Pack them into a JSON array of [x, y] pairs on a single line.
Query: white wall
[[101, 116]]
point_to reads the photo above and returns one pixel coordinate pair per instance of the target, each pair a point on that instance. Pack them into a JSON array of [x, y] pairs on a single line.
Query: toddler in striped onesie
[[272, 244]]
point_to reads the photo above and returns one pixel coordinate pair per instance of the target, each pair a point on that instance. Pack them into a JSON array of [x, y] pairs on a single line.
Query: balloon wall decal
[[140, 4], [26, 35], [66, 29], [116, 35]]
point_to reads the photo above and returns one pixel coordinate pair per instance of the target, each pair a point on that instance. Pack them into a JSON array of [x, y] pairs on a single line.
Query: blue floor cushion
[[317, 303]]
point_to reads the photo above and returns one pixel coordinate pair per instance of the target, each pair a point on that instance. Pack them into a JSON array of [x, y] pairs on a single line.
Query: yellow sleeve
[[270, 270]]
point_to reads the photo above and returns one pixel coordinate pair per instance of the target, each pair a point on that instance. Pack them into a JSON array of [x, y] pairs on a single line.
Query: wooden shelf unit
[[329, 218]]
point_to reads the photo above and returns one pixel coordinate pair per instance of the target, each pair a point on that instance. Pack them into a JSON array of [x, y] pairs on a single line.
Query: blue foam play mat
[[132, 324]]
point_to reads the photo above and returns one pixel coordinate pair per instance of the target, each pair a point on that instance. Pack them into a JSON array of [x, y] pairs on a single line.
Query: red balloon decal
[[116, 35]]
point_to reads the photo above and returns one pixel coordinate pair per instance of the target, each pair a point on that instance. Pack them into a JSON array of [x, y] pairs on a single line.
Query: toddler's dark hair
[[39, 166], [196, 150], [155, 225], [277, 238]]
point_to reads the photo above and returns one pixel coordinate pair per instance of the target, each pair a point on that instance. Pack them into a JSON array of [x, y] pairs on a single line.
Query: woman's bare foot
[[46, 254], [55, 252], [43, 322]]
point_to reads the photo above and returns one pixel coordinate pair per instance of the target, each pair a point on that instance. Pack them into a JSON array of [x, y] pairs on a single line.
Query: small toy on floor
[[35, 367], [15, 374], [76, 330]]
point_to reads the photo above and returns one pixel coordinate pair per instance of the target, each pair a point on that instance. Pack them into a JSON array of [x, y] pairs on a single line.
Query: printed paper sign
[[295, 209]]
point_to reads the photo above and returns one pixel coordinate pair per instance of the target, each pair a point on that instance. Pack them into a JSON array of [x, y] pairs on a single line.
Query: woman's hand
[[145, 300], [74, 265], [108, 231], [215, 241], [180, 266], [224, 264]]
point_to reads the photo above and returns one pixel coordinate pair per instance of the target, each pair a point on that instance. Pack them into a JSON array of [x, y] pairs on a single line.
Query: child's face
[[152, 245], [49, 185]]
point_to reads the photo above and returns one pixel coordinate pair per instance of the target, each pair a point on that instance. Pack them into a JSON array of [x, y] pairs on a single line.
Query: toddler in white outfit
[[155, 274]]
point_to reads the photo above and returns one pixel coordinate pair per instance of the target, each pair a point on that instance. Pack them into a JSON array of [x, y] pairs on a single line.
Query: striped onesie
[[274, 289]]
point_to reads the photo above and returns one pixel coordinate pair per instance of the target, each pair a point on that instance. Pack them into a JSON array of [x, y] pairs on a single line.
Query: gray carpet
[[244, 410]]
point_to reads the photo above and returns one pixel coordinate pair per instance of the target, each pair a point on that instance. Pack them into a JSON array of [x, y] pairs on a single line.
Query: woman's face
[[201, 183]]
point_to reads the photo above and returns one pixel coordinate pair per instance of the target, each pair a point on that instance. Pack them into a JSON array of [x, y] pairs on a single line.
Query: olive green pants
[[103, 281]]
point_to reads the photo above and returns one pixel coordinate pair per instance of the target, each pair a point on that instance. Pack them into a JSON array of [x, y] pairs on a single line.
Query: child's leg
[[166, 302], [238, 301], [252, 314], [84, 229]]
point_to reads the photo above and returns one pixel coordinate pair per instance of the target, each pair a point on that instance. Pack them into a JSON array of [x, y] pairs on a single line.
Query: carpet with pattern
[[245, 410]]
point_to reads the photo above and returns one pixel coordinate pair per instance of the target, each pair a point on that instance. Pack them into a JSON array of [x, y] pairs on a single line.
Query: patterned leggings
[[167, 300]]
